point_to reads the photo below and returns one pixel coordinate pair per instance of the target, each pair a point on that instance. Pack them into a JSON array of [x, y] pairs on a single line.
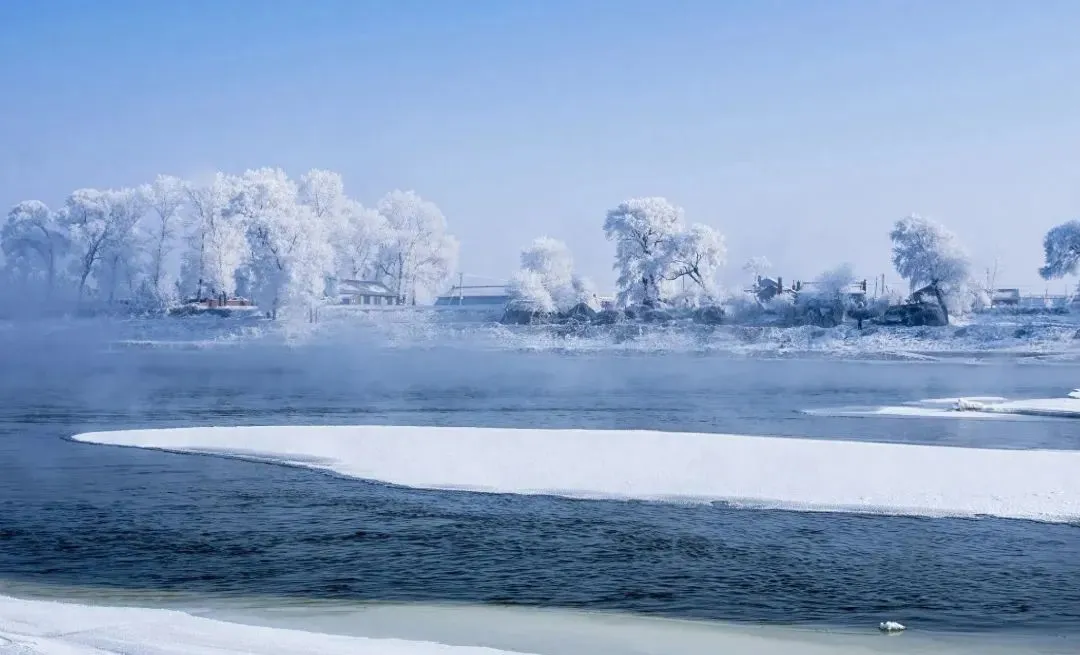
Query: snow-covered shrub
[[547, 265], [743, 307], [782, 306], [528, 291]]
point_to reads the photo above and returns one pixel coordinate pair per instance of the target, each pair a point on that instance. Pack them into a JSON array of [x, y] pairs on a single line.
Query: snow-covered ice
[[800, 474], [52, 628], [48, 627]]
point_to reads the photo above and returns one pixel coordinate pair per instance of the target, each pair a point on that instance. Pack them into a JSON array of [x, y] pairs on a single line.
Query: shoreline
[[512, 630]]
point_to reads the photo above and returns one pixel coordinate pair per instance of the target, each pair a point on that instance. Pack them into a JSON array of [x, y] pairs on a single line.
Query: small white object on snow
[[891, 626], [1075, 393]]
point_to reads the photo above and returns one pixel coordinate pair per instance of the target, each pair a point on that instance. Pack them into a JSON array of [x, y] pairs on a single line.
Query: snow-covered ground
[[801, 474], [1044, 337], [40, 627]]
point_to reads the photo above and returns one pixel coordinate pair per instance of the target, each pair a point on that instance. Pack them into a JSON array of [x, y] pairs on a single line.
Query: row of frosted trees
[[661, 259], [260, 235]]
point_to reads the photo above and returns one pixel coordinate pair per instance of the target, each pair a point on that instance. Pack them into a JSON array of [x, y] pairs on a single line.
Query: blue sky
[[800, 129]]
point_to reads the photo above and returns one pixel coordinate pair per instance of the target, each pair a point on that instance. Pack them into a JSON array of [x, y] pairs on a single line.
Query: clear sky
[[800, 128]]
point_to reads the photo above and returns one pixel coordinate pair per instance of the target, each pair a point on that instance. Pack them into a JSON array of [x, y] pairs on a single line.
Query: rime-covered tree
[[365, 235], [527, 287], [217, 245], [164, 197], [925, 253], [697, 253], [548, 262], [653, 249], [419, 253], [122, 257], [290, 249], [1062, 250], [86, 218], [33, 241], [642, 229]]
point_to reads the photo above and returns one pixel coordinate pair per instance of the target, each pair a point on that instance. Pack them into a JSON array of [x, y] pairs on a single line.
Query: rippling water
[[77, 514]]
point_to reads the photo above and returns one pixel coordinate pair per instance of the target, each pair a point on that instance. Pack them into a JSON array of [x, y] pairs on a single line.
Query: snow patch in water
[[799, 474]]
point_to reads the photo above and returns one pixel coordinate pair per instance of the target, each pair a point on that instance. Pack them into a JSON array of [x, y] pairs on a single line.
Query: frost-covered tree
[[925, 253], [528, 288], [653, 249], [217, 245], [33, 241], [290, 250], [419, 254], [834, 281], [365, 235], [123, 254], [1062, 250], [86, 219], [642, 229], [697, 253], [548, 262], [164, 197]]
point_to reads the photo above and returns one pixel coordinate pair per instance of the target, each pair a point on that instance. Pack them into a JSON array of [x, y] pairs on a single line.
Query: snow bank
[[60, 628], [51, 628], [801, 474]]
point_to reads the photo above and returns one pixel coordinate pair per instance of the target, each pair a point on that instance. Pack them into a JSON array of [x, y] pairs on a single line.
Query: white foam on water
[[799, 474], [64, 628]]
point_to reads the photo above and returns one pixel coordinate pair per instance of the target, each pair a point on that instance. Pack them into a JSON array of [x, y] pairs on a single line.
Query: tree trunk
[[941, 300]]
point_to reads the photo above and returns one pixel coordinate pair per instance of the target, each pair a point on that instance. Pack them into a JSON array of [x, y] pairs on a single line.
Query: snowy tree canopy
[[217, 246], [260, 234], [547, 265], [528, 288], [926, 253], [365, 233], [1062, 251], [642, 229], [653, 248], [830, 284], [697, 253], [290, 248], [419, 254], [165, 197], [32, 241]]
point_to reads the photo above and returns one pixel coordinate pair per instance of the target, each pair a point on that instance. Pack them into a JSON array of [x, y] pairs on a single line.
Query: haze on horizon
[[799, 130]]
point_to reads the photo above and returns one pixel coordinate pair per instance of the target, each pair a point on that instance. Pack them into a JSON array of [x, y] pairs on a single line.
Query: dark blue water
[[77, 514]]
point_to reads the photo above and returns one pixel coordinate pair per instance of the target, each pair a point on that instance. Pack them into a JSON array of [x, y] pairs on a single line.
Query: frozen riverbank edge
[[758, 472], [49, 627]]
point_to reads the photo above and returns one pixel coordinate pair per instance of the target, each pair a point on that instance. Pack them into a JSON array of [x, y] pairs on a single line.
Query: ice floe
[[969, 407], [771, 472]]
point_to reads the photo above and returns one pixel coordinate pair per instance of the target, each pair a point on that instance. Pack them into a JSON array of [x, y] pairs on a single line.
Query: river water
[[78, 515]]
